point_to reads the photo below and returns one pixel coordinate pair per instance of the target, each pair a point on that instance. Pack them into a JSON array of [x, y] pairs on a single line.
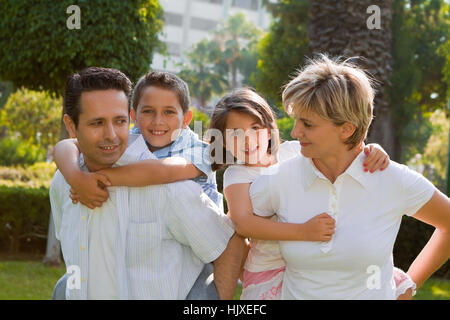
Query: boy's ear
[[70, 126], [187, 118], [133, 116]]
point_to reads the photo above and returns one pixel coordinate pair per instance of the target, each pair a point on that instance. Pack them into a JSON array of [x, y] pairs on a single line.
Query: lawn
[[31, 280]]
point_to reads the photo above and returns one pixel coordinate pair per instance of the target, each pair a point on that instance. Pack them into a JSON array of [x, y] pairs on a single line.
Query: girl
[[244, 111]]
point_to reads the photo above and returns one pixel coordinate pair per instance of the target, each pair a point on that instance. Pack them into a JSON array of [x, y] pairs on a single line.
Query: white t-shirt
[[264, 254], [357, 263]]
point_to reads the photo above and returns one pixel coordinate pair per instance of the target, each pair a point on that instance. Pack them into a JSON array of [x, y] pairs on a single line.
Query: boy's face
[[159, 115], [102, 130]]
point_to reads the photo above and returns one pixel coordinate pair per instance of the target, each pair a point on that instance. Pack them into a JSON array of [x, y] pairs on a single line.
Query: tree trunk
[[53, 251], [343, 28]]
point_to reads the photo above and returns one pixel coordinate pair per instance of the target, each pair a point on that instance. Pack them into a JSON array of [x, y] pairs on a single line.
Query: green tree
[[236, 38], [200, 73], [39, 51], [420, 28], [282, 50], [33, 116]]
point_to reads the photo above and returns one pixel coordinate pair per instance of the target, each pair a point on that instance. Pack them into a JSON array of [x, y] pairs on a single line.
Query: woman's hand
[[90, 190], [319, 228], [377, 158]]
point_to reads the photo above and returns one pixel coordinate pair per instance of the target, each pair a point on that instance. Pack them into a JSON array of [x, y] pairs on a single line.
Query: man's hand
[[227, 267]]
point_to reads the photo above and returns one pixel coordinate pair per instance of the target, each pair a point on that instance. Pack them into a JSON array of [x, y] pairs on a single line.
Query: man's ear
[[133, 116], [70, 126], [347, 129], [187, 118]]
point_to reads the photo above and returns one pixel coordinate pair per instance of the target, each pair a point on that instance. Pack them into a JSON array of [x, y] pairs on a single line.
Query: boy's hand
[[90, 190], [377, 158], [319, 228]]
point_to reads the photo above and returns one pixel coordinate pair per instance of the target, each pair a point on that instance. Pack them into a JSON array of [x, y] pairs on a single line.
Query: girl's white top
[[264, 255]]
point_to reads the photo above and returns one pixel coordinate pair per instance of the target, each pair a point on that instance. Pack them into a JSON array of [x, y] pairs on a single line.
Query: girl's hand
[[377, 158], [319, 228], [90, 190]]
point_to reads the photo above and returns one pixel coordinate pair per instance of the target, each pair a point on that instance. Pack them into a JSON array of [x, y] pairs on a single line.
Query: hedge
[[24, 217]]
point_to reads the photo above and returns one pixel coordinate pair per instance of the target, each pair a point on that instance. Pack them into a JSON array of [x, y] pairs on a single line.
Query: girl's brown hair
[[244, 100]]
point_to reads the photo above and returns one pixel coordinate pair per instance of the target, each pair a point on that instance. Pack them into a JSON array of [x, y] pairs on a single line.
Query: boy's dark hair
[[91, 79], [164, 80]]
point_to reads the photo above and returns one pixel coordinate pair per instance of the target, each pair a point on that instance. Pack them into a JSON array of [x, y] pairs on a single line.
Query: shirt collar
[[355, 170]]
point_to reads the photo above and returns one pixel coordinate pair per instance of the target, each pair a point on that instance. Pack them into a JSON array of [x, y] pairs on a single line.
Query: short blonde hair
[[338, 91]]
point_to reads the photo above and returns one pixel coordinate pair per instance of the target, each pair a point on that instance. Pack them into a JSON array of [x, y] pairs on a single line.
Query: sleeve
[[195, 220], [417, 190], [262, 196], [199, 156], [289, 149], [197, 152], [56, 202], [235, 174]]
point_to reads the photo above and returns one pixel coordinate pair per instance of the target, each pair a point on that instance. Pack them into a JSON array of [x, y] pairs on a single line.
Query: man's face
[[103, 125]]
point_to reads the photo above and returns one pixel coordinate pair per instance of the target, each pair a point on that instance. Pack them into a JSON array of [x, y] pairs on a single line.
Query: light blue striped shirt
[[190, 147], [164, 235]]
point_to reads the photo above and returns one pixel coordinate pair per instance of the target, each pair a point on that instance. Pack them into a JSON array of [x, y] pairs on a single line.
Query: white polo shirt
[[357, 263]]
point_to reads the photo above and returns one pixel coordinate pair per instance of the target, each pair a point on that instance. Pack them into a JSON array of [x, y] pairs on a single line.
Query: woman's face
[[319, 138], [246, 138]]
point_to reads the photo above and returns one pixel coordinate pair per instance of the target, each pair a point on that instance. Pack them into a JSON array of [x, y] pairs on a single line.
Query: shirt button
[[83, 280], [82, 248], [83, 218]]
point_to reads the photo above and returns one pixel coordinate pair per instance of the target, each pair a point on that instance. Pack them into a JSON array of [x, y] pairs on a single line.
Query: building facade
[[189, 21]]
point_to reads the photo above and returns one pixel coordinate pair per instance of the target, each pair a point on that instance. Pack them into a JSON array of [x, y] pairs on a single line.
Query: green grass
[[27, 280], [31, 280]]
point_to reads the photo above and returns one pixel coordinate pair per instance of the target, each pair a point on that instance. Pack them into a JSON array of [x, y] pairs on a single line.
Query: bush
[[33, 116], [35, 176], [15, 151], [285, 126], [24, 217]]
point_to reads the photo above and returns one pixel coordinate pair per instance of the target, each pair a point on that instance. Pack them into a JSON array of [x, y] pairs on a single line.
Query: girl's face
[[158, 116], [247, 139]]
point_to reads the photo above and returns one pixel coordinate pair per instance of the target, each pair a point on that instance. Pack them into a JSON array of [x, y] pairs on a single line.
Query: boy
[[160, 111]]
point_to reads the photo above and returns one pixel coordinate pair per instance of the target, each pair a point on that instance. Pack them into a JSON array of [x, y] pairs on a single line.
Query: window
[[245, 4], [212, 1], [203, 24], [173, 19]]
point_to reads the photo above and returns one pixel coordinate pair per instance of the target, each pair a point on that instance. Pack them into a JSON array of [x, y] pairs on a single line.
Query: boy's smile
[[159, 115]]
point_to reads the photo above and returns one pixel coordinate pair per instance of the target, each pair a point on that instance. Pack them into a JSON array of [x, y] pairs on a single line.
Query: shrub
[[15, 151], [35, 176], [285, 126], [24, 216]]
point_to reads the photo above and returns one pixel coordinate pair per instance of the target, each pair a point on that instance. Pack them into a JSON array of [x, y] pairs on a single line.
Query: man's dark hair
[[164, 80], [91, 79]]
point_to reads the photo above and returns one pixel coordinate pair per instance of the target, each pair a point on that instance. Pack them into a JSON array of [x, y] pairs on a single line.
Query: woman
[[332, 103]]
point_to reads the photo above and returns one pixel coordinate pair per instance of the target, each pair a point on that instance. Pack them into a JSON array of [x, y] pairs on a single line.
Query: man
[[143, 243]]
